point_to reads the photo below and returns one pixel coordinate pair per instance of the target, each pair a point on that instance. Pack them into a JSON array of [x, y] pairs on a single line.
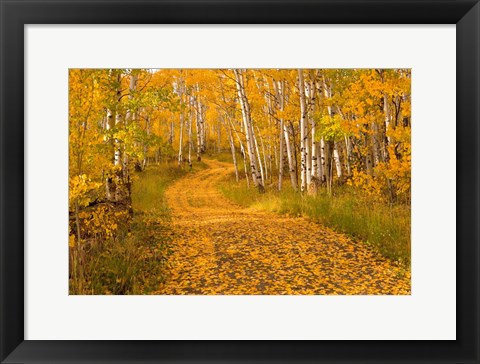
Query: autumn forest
[[239, 181]]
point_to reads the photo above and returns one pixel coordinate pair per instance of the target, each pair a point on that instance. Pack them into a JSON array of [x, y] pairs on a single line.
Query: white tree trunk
[[305, 174], [180, 142], [312, 100], [259, 158], [348, 148], [291, 163], [109, 183], [265, 166], [336, 155], [242, 98], [130, 116], [199, 132], [190, 141], [280, 159], [386, 110], [242, 149], [118, 153], [323, 161], [145, 146], [338, 163], [279, 86], [171, 134], [182, 117], [232, 148], [320, 174], [203, 129]]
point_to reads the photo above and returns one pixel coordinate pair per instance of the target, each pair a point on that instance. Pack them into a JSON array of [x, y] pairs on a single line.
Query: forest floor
[[222, 248]]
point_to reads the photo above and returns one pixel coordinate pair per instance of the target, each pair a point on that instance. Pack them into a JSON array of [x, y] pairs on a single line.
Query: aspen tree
[[336, 155], [190, 141], [180, 91], [114, 120], [250, 138], [312, 102], [279, 85], [242, 152], [305, 173]]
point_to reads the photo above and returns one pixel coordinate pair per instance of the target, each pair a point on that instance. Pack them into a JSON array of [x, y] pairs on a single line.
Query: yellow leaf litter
[[222, 248]]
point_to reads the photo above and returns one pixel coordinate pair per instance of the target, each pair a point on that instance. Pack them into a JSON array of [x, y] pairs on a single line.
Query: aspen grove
[[171, 171]]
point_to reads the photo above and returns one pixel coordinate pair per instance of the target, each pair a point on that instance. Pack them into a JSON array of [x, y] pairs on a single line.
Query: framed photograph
[[239, 181]]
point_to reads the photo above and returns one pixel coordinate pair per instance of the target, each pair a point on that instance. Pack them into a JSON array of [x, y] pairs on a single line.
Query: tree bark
[[242, 98], [232, 148], [304, 145], [280, 85], [290, 156], [190, 141], [312, 128], [182, 117]]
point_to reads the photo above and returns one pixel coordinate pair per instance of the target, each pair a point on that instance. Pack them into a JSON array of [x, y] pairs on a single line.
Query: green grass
[[222, 157], [383, 227], [149, 186]]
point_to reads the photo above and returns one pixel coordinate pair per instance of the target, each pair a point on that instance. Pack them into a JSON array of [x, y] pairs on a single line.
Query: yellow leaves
[[400, 134], [231, 251], [101, 220], [80, 188], [71, 241], [367, 183], [221, 248], [389, 179]]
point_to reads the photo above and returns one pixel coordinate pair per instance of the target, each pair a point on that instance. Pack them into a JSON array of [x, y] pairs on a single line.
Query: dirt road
[[222, 248]]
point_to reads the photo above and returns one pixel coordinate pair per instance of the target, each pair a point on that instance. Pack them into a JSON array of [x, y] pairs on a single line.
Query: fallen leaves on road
[[221, 248]]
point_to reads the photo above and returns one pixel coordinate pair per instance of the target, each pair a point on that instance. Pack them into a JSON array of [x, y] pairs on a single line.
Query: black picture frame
[[15, 14]]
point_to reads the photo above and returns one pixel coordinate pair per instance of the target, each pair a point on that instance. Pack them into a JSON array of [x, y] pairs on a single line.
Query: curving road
[[222, 248]]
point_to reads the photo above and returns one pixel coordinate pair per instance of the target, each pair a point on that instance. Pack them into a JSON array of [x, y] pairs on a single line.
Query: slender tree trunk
[[180, 142], [328, 166], [254, 168], [145, 146], [386, 139], [190, 141], [336, 158], [280, 159], [262, 144], [260, 164], [348, 148], [290, 156], [305, 173], [118, 152], [110, 181], [129, 118], [199, 131], [219, 137], [280, 92], [386, 112], [118, 161], [320, 174], [172, 129], [203, 128], [368, 156], [182, 117], [323, 160], [242, 149], [336, 154], [232, 148], [312, 127]]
